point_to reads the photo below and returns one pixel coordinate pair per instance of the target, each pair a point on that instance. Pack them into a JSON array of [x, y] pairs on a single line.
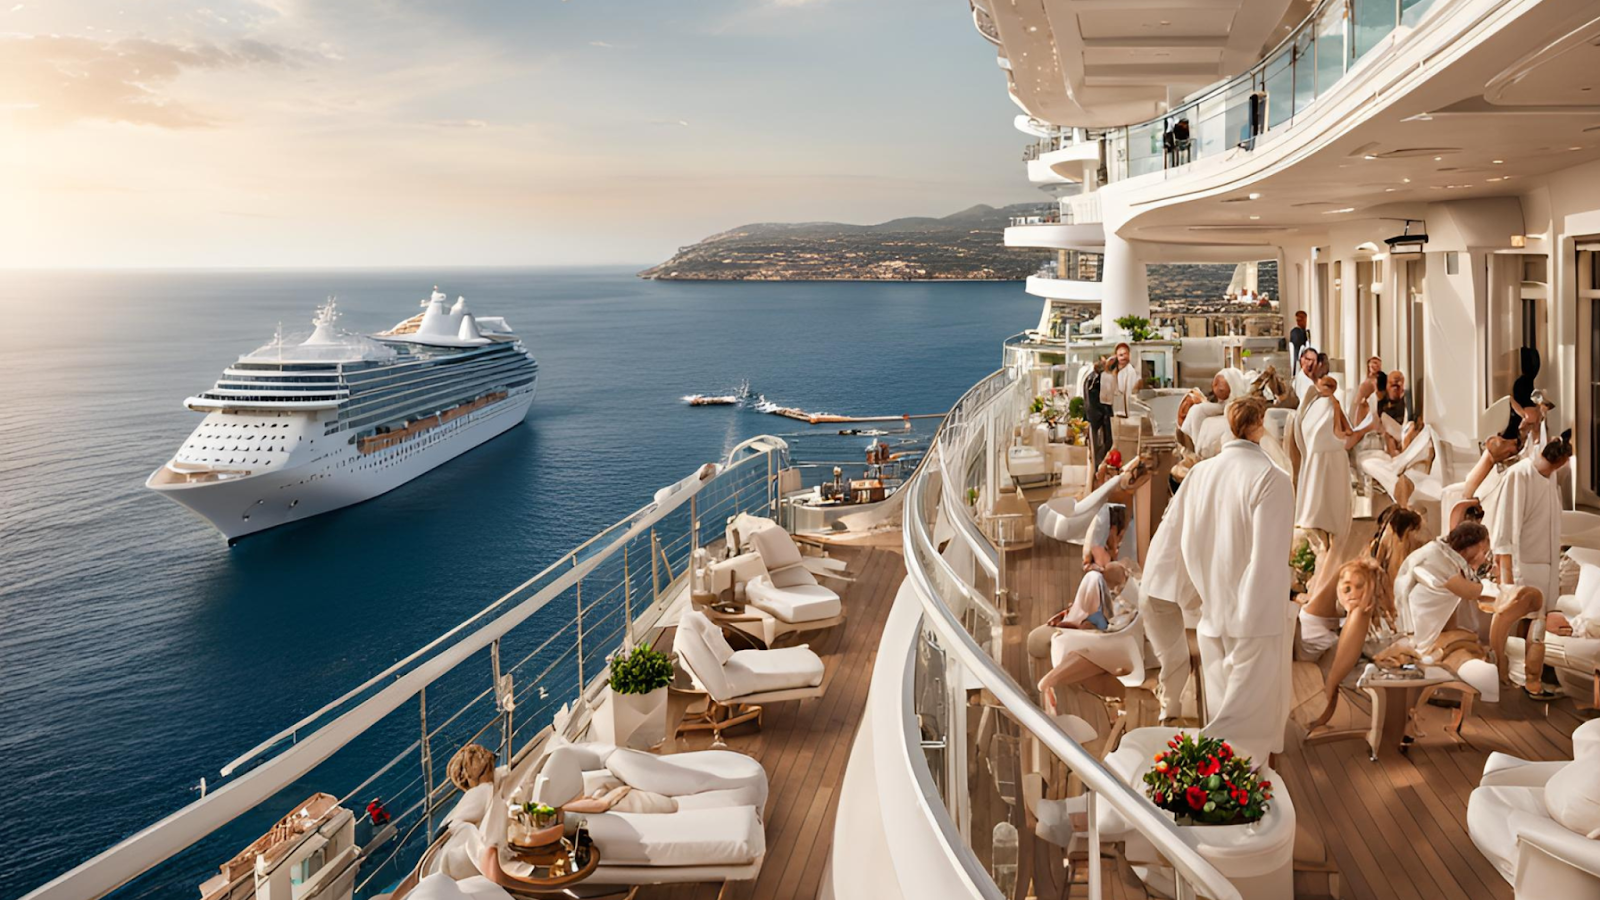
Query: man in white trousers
[[1223, 547], [1525, 535]]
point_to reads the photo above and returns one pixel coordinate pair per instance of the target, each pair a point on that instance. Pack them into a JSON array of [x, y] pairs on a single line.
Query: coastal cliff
[[965, 246]]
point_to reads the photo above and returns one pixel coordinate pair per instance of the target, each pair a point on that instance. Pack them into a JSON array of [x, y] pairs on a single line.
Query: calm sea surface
[[138, 653]]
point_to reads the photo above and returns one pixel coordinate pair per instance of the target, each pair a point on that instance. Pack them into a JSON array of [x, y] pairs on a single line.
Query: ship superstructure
[[300, 427]]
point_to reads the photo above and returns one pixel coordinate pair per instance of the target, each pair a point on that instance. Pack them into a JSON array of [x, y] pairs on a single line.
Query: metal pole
[[627, 602], [655, 568], [427, 759], [1090, 805], [501, 702], [694, 525], [581, 682]]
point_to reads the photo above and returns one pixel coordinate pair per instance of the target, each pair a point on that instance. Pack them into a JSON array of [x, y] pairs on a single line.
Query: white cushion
[[599, 781], [561, 779], [472, 805], [1055, 819], [749, 795], [791, 576], [646, 803], [700, 837], [459, 858], [1505, 770], [759, 671], [709, 632], [694, 651], [777, 549], [1586, 741], [689, 773], [805, 603], [1572, 797], [439, 886]]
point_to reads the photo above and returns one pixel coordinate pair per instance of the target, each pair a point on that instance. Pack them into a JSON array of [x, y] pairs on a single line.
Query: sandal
[[1543, 695]]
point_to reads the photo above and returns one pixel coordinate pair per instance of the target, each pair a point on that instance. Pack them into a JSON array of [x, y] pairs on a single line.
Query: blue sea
[[139, 653]]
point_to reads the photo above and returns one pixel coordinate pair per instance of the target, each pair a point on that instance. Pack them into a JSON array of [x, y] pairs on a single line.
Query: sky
[[285, 133]]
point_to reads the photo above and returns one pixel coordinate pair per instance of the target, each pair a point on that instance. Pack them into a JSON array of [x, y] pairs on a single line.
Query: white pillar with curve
[[1126, 290]]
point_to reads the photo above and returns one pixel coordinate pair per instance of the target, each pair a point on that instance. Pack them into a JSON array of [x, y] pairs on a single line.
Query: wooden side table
[[555, 873]]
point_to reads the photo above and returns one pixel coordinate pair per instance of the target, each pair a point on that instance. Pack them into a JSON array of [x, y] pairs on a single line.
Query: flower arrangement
[[1076, 408], [640, 672], [1202, 782], [1303, 561], [536, 815]]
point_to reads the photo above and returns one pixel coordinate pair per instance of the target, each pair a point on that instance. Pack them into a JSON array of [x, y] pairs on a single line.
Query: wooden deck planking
[[804, 745]]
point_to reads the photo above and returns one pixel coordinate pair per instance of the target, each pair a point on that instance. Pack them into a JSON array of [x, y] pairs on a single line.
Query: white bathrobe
[[1224, 546], [1323, 500], [1525, 524]]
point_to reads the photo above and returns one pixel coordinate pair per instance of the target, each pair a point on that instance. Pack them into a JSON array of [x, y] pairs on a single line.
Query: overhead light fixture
[[1519, 241], [1369, 156], [1254, 196], [1407, 244], [1254, 218], [1498, 161], [1438, 159], [1406, 180], [1333, 212]]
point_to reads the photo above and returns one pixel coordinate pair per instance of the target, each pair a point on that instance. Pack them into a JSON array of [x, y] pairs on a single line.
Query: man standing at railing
[[1222, 550]]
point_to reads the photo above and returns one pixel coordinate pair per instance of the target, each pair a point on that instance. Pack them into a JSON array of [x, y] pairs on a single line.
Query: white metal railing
[[618, 584], [1275, 92], [943, 594]]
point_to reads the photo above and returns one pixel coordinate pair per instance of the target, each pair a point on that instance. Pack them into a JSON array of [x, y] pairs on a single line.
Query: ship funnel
[[469, 328]]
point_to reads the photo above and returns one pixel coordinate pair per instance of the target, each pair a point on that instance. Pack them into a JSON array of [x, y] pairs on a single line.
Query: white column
[[1127, 292]]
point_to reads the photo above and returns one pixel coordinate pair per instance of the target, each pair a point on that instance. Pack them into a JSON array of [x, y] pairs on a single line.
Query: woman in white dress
[[1322, 501]]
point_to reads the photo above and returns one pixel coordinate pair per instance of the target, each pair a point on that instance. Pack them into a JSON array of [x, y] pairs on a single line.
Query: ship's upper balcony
[[1110, 62]]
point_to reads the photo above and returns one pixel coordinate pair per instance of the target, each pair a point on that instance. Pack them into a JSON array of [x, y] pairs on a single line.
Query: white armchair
[[1529, 834], [743, 525], [738, 681], [788, 591]]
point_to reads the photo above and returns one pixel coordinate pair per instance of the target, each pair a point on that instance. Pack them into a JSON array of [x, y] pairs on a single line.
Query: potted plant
[[1201, 782], [637, 694], [1303, 561], [1138, 328]]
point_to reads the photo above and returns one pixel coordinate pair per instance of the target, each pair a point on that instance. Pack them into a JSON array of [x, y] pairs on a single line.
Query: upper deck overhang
[[1099, 63], [1481, 100]]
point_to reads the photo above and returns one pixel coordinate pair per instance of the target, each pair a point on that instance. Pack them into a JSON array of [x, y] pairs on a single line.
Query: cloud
[[602, 44], [63, 78]]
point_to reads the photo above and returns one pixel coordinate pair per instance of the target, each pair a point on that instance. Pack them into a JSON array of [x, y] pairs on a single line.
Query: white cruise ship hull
[[311, 482]]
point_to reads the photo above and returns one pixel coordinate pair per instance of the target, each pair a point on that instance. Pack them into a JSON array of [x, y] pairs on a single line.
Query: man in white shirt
[[1525, 533], [1305, 375], [1119, 390], [1223, 547]]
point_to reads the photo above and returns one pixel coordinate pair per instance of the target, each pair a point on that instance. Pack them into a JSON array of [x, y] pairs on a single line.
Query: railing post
[[503, 703], [627, 602], [655, 567], [1091, 805], [694, 525], [427, 759], [581, 682]]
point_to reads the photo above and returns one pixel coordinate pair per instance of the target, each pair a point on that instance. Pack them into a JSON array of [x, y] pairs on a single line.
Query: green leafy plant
[[1075, 408], [1037, 405], [1303, 560], [640, 672], [1138, 328], [1202, 782], [972, 496]]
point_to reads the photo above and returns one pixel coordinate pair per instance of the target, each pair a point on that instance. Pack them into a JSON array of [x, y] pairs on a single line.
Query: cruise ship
[[900, 708], [299, 428]]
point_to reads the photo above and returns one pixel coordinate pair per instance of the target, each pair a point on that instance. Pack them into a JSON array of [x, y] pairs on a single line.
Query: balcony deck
[[804, 744], [1394, 828]]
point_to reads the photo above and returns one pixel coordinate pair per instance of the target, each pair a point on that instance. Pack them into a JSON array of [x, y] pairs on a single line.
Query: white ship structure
[[299, 428], [1424, 176]]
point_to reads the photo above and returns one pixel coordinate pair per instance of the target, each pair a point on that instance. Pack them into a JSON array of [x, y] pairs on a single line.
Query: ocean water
[[138, 653]]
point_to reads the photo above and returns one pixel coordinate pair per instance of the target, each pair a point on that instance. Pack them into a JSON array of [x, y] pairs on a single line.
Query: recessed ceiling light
[[1333, 212], [1255, 217], [1390, 190], [1498, 161], [1370, 156], [1574, 148], [1254, 196], [1406, 180], [1438, 159], [1494, 179], [1165, 22]]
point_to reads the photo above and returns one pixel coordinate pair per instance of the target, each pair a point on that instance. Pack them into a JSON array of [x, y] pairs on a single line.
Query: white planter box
[[631, 720]]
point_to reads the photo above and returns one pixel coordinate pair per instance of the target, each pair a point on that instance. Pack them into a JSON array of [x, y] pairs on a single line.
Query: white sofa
[[1512, 821], [713, 831], [1576, 657]]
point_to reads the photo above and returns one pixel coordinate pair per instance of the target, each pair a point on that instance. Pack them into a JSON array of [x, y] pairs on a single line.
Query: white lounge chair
[[787, 590], [743, 525], [1511, 820], [739, 681], [1576, 657], [1417, 463], [709, 830]]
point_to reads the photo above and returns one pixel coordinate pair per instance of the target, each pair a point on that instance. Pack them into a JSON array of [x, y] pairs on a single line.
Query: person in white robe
[[1525, 533], [1223, 550], [1323, 499], [1304, 372]]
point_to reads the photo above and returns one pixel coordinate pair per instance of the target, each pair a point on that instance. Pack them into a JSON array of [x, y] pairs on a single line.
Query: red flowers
[[1204, 781], [1208, 767], [1196, 797], [1241, 798], [1225, 752]]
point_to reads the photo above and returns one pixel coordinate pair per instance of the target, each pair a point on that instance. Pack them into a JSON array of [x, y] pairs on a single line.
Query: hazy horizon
[[287, 134]]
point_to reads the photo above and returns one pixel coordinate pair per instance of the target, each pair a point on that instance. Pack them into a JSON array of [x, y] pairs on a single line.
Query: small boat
[[733, 399], [312, 847]]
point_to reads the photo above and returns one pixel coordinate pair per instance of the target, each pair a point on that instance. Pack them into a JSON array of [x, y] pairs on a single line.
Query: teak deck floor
[[804, 744], [1391, 828]]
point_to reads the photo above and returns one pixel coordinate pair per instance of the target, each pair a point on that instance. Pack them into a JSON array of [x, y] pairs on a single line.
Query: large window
[[1305, 71], [1374, 19], [1280, 88], [1330, 48]]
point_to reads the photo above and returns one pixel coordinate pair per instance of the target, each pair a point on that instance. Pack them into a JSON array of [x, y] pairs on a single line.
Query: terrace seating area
[[743, 810]]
